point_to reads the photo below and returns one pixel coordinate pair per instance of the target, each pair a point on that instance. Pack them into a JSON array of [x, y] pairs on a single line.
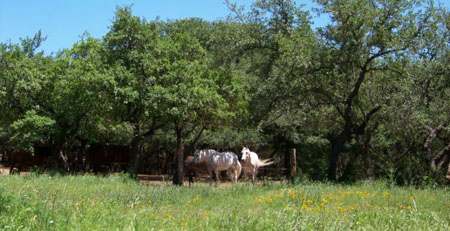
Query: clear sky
[[63, 21]]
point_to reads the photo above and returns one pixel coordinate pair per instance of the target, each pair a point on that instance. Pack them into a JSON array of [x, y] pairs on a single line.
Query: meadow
[[86, 202]]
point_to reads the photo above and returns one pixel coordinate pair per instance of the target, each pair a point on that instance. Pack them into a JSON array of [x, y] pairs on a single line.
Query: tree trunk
[[287, 162], [57, 161], [179, 154], [336, 148], [135, 152], [293, 164]]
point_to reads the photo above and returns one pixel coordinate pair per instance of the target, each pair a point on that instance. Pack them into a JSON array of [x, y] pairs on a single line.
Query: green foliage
[[366, 96], [32, 129]]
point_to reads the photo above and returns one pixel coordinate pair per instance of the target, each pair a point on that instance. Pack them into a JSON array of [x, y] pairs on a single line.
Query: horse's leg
[[217, 175], [250, 173], [191, 177], [235, 177], [230, 173], [253, 176], [11, 168], [211, 174]]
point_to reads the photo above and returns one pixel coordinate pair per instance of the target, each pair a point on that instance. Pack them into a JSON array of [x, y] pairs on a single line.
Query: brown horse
[[21, 159], [191, 169]]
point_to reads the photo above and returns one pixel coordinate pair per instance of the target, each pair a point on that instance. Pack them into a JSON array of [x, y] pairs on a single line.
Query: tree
[[50, 100], [187, 91], [24, 77], [274, 48], [363, 39], [133, 52]]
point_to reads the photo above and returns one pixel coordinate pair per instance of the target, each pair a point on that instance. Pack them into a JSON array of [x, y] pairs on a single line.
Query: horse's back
[[191, 166], [224, 160]]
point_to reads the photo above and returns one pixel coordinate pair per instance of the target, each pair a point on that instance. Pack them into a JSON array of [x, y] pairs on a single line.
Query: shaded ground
[[167, 179]]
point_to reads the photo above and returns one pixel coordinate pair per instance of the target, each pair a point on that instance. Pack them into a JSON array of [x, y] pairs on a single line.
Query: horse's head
[[199, 156], [245, 154]]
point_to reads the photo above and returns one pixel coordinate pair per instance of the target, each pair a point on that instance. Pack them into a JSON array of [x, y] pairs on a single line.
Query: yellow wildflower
[[184, 224], [206, 214]]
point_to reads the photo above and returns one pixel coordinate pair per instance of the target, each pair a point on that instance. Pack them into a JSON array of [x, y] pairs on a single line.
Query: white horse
[[219, 161], [251, 163]]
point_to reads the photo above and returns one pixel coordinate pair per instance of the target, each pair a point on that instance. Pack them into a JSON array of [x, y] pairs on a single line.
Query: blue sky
[[63, 21]]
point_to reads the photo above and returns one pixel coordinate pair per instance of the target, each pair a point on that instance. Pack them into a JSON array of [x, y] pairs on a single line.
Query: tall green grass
[[88, 202]]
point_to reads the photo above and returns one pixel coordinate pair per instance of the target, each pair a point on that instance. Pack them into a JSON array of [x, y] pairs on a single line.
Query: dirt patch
[[4, 170]]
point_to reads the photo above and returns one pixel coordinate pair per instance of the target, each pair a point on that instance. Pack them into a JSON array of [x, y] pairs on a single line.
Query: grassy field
[[118, 203]]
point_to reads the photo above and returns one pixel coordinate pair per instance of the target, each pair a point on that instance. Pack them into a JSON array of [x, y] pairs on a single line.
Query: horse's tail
[[239, 169], [265, 162]]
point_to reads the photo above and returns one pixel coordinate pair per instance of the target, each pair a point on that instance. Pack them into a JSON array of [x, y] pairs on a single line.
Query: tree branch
[[433, 134], [440, 158]]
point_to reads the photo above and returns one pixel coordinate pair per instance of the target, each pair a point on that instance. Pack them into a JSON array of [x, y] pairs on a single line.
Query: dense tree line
[[367, 96]]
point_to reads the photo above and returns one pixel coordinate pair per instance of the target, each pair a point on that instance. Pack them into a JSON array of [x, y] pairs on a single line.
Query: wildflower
[[411, 198], [340, 208], [151, 214], [206, 214], [324, 201], [409, 207], [186, 216], [310, 202], [149, 202], [170, 216], [257, 199], [270, 200], [184, 224]]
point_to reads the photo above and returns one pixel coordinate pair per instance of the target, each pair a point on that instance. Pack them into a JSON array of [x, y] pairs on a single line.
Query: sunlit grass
[[118, 203]]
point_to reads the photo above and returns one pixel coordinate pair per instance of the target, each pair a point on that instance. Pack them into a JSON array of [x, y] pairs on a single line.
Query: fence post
[[293, 161]]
